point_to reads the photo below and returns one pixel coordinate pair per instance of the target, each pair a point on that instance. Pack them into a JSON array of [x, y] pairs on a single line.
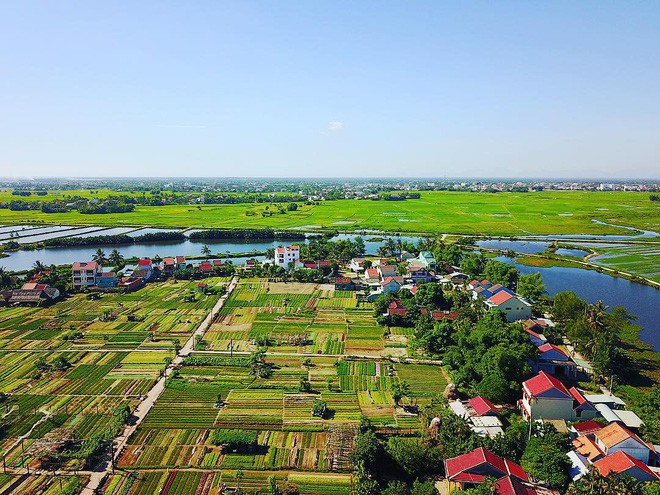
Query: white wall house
[[513, 307], [286, 256], [614, 438], [84, 273]]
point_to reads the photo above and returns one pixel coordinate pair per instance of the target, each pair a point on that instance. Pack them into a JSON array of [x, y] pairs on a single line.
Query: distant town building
[[84, 273]]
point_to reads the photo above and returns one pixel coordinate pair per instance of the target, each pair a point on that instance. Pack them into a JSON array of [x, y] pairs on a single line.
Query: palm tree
[[100, 257], [206, 250], [38, 266], [5, 278], [596, 314], [115, 258]]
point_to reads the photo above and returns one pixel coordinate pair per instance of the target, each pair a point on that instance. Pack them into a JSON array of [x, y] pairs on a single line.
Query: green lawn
[[548, 212]]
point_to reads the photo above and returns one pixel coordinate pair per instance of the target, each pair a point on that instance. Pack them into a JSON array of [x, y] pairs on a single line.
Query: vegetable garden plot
[[424, 380], [252, 409], [377, 406], [363, 375], [160, 448], [185, 404], [343, 405], [290, 450]]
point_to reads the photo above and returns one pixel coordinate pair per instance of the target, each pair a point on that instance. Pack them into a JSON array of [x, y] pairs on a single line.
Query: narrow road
[[152, 396]]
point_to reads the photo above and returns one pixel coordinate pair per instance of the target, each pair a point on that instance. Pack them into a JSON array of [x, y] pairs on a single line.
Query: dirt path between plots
[[106, 467]]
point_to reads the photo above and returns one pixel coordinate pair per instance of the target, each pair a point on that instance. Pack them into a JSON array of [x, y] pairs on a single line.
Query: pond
[[640, 300]]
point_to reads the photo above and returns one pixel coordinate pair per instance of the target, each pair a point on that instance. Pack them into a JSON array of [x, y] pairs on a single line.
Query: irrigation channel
[[590, 285]]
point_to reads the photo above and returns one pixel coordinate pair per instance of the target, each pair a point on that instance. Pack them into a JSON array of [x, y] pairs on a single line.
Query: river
[[640, 300]]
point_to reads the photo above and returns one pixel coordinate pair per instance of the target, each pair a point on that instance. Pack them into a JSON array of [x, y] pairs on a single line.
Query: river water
[[640, 300]]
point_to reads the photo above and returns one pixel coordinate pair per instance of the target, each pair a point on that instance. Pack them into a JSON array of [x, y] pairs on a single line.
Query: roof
[[343, 280], [168, 261], [543, 382], [84, 265], [280, 250], [389, 280], [443, 315], [108, 275], [586, 427], [371, 273], [549, 347], [511, 486], [613, 434], [460, 468], [577, 395], [482, 406], [500, 298], [144, 262], [586, 447], [180, 259], [620, 462]]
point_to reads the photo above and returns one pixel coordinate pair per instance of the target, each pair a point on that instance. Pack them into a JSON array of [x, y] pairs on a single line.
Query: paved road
[[152, 396]]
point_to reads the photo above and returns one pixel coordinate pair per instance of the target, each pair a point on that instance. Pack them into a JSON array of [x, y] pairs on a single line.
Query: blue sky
[[321, 89]]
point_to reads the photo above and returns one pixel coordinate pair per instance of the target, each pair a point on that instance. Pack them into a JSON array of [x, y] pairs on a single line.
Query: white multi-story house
[[84, 273], [286, 256]]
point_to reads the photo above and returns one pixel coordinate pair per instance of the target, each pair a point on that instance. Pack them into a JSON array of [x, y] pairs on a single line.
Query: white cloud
[[335, 125]]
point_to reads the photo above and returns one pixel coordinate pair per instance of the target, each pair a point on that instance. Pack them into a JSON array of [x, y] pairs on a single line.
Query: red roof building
[[511, 486], [623, 463], [467, 470], [587, 427], [483, 407]]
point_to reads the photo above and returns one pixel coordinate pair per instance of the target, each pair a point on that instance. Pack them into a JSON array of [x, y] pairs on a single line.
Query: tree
[[399, 389], [414, 457], [531, 286], [206, 250], [473, 264], [430, 296], [38, 266], [423, 488], [546, 462], [5, 279], [396, 488], [367, 451], [305, 385], [115, 258], [593, 483], [501, 273], [99, 257]]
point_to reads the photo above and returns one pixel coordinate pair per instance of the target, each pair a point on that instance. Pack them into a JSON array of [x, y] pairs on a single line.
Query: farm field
[[298, 318], [152, 317], [315, 336], [638, 259], [512, 214]]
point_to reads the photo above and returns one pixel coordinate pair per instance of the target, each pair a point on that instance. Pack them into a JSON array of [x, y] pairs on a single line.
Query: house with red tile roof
[[206, 267], [391, 285], [344, 283], [582, 408], [371, 276], [545, 397], [586, 428], [471, 469], [587, 447], [180, 262], [555, 361], [444, 315], [169, 266], [514, 308], [622, 463], [617, 438], [512, 486]]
